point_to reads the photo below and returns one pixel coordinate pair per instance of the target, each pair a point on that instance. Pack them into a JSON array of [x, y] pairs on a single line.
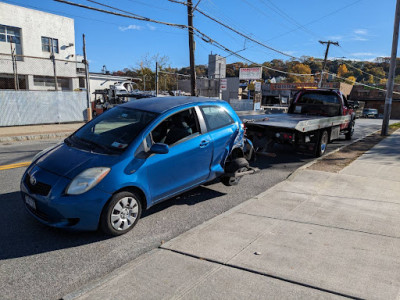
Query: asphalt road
[[37, 262]]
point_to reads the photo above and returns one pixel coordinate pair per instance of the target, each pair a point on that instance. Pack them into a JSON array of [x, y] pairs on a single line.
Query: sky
[[363, 28]]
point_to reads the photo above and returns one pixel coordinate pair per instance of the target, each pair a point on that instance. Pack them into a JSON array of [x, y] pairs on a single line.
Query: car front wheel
[[121, 213]]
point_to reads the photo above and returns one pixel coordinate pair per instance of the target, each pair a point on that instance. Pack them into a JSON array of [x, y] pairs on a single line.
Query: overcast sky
[[363, 28]]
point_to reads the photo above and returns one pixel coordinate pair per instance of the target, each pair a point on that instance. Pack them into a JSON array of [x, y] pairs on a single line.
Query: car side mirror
[[159, 148]]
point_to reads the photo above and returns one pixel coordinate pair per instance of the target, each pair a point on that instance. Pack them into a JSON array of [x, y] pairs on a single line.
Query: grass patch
[[395, 125]]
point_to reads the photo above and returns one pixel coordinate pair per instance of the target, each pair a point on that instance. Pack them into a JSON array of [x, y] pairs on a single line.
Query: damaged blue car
[[133, 157]]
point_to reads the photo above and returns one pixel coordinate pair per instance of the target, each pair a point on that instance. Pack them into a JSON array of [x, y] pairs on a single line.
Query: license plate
[[30, 202]]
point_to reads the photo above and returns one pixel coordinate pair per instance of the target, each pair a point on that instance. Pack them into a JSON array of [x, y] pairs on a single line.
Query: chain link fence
[[41, 90]]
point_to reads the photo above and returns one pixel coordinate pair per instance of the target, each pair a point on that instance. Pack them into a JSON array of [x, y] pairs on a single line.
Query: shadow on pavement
[[191, 197], [21, 235]]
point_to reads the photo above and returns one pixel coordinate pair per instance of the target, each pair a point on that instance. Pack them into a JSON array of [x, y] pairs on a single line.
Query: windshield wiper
[[94, 145]]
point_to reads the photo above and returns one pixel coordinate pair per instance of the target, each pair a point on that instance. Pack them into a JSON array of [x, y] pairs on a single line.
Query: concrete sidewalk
[[317, 235], [37, 132]]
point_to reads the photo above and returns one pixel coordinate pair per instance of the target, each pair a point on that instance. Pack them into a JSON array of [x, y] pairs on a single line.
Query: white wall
[[34, 24]]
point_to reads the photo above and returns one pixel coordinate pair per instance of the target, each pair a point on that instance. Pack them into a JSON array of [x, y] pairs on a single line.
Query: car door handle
[[204, 143]]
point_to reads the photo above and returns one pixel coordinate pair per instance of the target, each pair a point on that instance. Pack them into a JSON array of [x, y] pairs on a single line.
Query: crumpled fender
[[237, 141]]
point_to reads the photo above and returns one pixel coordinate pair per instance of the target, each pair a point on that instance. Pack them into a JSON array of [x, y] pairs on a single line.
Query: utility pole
[[191, 48], [53, 58], [156, 79], [390, 82], [14, 64], [326, 57], [85, 61]]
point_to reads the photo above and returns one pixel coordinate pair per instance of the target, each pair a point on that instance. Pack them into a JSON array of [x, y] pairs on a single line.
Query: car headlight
[[87, 180]]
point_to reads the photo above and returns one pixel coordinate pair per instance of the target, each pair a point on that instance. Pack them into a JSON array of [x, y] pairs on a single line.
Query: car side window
[[216, 117], [176, 128]]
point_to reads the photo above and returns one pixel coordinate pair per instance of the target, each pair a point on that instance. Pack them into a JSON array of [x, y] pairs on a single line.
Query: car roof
[[162, 104]]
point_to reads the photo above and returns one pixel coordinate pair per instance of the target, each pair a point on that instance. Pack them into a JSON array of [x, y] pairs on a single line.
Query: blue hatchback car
[[132, 157]]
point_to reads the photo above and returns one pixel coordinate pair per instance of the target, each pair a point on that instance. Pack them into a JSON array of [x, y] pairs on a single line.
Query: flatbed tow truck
[[315, 118]]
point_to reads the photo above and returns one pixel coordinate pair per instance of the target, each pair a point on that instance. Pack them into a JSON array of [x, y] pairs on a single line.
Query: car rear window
[[317, 103], [216, 117]]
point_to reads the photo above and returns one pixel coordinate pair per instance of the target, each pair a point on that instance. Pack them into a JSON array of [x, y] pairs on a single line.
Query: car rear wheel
[[322, 144], [121, 213], [236, 166]]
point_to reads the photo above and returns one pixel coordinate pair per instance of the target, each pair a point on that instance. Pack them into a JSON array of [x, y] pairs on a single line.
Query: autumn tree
[[300, 69], [342, 70], [351, 80]]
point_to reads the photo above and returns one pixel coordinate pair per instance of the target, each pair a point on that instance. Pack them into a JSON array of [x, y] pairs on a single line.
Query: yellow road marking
[[17, 165]]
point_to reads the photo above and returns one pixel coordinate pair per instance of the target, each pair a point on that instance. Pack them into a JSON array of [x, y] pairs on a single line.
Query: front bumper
[[56, 209]]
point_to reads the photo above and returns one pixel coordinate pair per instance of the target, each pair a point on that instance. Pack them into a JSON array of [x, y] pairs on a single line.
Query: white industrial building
[[34, 36]]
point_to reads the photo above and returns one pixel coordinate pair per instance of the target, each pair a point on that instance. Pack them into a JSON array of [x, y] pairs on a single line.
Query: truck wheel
[[322, 144], [121, 213], [236, 166], [349, 134]]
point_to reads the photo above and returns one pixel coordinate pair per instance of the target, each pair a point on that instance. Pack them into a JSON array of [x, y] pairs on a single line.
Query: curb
[[46, 136]]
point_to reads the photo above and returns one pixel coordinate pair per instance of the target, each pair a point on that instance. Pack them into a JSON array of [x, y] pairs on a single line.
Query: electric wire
[[236, 31], [207, 39], [359, 83]]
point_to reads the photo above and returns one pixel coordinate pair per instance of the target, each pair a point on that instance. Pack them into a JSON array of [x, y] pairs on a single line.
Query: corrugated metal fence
[[37, 107]]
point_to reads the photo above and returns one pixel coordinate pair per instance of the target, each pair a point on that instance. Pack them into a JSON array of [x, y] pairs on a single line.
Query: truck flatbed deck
[[302, 123]]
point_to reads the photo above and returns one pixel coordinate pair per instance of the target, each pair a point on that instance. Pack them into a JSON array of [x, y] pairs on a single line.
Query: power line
[[236, 31], [133, 16], [359, 83], [317, 20], [283, 14], [200, 34]]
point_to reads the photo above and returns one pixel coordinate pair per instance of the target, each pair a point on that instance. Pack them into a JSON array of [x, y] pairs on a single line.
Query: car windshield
[[113, 131]]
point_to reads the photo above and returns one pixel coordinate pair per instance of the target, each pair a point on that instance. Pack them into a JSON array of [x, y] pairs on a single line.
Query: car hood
[[68, 162]]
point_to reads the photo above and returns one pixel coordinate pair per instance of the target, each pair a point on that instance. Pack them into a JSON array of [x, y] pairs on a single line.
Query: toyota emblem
[[32, 180]]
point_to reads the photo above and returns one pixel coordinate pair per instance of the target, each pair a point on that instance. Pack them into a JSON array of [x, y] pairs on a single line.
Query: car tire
[[236, 166], [349, 134], [121, 213], [322, 143]]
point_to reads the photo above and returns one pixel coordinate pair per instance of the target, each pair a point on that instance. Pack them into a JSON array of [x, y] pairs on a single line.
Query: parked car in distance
[[370, 113], [130, 158]]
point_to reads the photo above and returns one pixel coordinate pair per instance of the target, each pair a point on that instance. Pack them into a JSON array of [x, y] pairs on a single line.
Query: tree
[[300, 69], [351, 80], [342, 70]]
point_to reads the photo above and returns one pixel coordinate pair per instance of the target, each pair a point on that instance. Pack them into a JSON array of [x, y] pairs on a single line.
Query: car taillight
[[287, 136], [243, 127]]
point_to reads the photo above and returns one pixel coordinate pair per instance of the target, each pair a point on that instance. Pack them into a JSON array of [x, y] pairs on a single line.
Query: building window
[[49, 44], [10, 34], [47, 81]]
